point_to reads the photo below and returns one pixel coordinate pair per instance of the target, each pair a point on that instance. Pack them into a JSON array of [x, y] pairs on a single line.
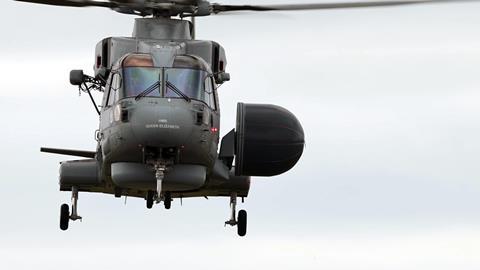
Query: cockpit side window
[[115, 86], [210, 92]]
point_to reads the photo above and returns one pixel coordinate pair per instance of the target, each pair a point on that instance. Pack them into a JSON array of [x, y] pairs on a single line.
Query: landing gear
[[150, 195], [118, 192], [65, 215], [166, 197], [159, 175], [167, 200], [233, 205], [74, 216], [241, 223]]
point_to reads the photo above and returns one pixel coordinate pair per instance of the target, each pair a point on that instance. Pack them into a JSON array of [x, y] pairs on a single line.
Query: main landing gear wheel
[[150, 195], [64, 216], [168, 200], [242, 223]]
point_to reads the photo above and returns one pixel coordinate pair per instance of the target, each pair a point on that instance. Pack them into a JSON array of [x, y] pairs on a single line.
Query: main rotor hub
[[162, 29]]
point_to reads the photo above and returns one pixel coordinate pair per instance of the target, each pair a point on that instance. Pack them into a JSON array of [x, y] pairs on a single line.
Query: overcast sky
[[389, 101]]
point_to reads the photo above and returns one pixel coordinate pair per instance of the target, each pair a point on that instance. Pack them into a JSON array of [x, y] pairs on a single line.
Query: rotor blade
[[217, 8], [68, 152], [72, 3], [137, 7]]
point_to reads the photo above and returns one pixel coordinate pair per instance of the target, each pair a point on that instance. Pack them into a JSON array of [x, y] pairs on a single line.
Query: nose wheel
[[159, 195], [167, 199], [150, 197], [241, 222], [65, 215]]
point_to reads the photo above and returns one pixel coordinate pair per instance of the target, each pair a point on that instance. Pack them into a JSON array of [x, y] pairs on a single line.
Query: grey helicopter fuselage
[[180, 133], [158, 137], [160, 121]]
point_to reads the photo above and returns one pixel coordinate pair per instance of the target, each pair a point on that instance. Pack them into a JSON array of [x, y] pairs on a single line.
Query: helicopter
[[159, 118]]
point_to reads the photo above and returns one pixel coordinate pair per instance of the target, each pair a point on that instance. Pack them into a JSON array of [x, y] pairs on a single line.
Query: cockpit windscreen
[[193, 83]]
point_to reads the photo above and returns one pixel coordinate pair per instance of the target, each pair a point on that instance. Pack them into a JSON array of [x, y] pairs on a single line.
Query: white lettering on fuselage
[[164, 126]]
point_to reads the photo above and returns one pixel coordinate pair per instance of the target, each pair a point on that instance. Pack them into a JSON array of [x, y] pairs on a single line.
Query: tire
[[242, 223], [64, 216], [149, 199], [118, 192], [168, 200], [168, 204]]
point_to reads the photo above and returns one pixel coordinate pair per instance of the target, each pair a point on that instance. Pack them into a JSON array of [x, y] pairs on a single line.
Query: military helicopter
[[158, 137]]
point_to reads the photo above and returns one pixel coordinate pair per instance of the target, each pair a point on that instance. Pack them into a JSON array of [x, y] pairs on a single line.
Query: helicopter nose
[[162, 122]]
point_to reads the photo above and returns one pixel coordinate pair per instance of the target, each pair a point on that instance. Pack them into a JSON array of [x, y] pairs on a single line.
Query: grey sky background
[[388, 98]]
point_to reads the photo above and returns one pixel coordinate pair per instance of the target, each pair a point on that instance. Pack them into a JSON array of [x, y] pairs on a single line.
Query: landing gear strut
[[241, 223], [65, 215], [159, 195], [159, 175]]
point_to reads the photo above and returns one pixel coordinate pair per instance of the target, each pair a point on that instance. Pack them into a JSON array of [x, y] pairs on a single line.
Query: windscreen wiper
[[148, 90], [177, 91]]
